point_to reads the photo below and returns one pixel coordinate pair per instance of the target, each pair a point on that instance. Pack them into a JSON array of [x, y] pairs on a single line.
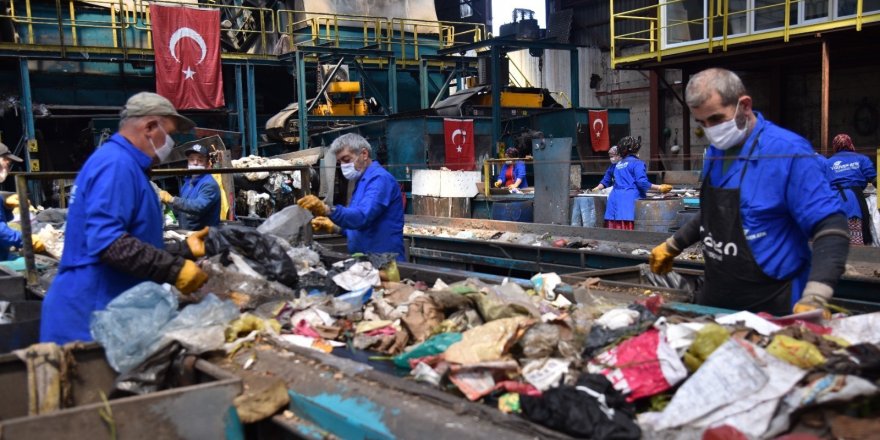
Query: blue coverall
[[198, 204], [630, 183]]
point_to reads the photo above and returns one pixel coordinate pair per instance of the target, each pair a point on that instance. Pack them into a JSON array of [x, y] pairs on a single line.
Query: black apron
[[733, 278], [859, 194]]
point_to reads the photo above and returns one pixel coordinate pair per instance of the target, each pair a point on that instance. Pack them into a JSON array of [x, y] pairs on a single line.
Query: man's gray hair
[[352, 142], [728, 85]]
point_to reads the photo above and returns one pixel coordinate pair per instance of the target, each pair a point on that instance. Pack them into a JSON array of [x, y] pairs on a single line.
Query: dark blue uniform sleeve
[[641, 177], [519, 171], [376, 199], [9, 237], [501, 174], [868, 169], [609, 174], [208, 193], [109, 204], [808, 196]]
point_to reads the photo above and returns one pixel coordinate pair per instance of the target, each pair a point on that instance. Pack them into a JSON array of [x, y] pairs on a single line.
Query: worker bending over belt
[[849, 174], [764, 196], [199, 202], [630, 184], [113, 237], [10, 237], [513, 172], [373, 220]]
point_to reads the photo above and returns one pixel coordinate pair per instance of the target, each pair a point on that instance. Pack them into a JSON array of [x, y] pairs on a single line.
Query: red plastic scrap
[[652, 303], [512, 386]]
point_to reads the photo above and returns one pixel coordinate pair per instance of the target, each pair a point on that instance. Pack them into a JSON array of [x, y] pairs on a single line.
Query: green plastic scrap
[[434, 345], [708, 339]]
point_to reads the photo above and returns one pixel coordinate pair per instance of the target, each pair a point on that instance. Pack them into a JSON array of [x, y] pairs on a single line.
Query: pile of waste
[[562, 356], [259, 194]]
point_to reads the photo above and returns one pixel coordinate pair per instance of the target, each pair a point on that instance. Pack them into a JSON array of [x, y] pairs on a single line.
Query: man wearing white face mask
[[199, 202], [373, 220], [113, 237], [764, 197]]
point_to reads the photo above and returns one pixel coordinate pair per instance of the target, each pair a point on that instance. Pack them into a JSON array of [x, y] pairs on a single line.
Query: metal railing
[[113, 26], [655, 31]]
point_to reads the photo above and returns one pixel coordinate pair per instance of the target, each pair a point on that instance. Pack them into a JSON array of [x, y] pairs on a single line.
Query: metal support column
[[575, 97], [252, 111], [239, 108], [423, 82], [655, 112], [27, 111], [459, 83], [301, 100], [392, 85], [496, 54]]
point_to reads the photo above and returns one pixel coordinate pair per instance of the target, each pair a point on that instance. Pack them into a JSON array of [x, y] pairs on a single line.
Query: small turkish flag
[[459, 135], [599, 130], [186, 42]]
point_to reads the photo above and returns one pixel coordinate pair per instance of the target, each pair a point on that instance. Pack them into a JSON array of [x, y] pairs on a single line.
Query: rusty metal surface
[[552, 163], [194, 412]]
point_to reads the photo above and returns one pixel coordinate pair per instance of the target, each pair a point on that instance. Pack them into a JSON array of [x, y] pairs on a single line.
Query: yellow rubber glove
[[497, 184], [165, 196], [12, 201], [39, 246], [665, 188], [815, 296], [190, 278], [663, 256], [196, 242], [324, 224], [313, 205]]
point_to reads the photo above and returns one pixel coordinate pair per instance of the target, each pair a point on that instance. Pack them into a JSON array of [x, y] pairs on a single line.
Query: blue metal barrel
[[657, 215], [513, 210]]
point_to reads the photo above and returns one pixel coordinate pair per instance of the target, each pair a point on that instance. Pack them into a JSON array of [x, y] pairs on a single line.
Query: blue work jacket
[[373, 221], [848, 169], [630, 183], [8, 237], [199, 203], [519, 172], [608, 178], [111, 197], [783, 196]]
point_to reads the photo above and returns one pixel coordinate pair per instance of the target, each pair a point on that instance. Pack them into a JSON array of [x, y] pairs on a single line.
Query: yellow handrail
[[651, 34]]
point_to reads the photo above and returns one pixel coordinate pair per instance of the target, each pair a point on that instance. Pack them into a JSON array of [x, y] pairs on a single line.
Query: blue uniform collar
[[144, 161], [196, 179]]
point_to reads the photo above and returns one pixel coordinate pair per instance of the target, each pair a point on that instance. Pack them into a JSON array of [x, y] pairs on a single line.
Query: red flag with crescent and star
[[459, 135], [600, 138], [187, 46]]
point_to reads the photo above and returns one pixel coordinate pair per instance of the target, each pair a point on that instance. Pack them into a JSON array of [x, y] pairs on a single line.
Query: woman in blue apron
[[849, 174], [630, 184], [608, 179], [513, 172]]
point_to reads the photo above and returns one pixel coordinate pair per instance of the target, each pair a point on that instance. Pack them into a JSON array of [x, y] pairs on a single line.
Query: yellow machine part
[[514, 99], [355, 108], [344, 87]]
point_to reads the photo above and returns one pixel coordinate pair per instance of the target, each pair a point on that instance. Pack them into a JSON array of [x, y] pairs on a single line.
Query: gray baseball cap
[[152, 104], [4, 152]]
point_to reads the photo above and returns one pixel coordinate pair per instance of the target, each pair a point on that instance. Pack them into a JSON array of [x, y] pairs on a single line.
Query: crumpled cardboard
[[488, 342]]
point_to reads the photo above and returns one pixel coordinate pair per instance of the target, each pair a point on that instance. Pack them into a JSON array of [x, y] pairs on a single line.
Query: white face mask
[[164, 151], [727, 135], [195, 167], [615, 159], [4, 172], [349, 171]]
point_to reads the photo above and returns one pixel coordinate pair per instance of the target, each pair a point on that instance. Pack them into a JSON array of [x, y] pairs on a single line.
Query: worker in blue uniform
[[630, 184], [113, 237], [608, 178], [764, 197], [10, 237], [513, 172], [373, 220], [198, 205], [849, 174]]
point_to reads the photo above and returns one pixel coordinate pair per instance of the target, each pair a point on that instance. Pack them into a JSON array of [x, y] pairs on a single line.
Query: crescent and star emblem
[[180, 34], [458, 132], [601, 127]]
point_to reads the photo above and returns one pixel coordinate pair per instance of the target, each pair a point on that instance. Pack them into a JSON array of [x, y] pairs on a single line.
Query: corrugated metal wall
[[591, 20]]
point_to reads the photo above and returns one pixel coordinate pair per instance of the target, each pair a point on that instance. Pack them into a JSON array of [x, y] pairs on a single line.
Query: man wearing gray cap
[[10, 237], [114, 224], [199, 203]]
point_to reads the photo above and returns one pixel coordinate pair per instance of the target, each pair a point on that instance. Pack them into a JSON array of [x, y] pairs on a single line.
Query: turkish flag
[[459, 136], [599, 130], [187, 46]]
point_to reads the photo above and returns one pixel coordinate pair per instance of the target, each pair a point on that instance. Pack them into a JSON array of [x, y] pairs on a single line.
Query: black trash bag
[[579, 411], [151, 375], [601, 337], [381, 260], [672, 280], [261, 252], [323, 283], [860, 360]]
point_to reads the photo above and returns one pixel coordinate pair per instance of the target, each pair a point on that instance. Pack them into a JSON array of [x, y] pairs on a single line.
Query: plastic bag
[[709, 338], [434, 345], [540, 341], [262, 252], [801, 354], [144, 318], [672, 280], [287, 223]]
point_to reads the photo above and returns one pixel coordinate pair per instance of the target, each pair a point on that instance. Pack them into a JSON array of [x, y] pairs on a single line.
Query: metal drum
[[657, 215], [513, 210]]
